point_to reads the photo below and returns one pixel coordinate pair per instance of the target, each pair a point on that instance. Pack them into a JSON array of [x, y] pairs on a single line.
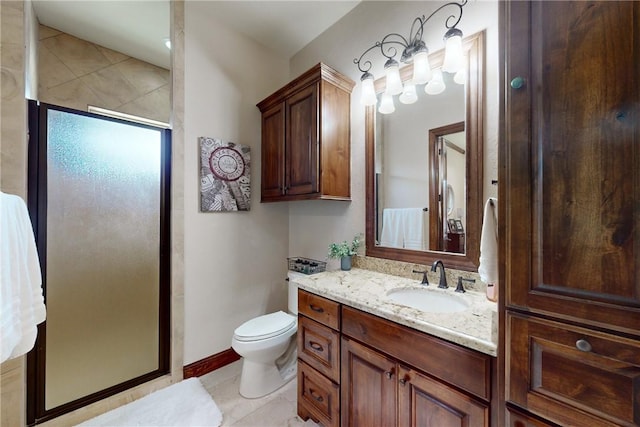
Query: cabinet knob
[[583, 345], [402, 381], [389, 374], [517, 82]]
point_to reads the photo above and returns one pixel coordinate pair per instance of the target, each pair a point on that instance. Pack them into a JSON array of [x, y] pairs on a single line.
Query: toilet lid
[[266, 326]]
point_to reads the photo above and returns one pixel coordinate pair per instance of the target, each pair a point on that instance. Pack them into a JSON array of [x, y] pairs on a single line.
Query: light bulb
[[461, 76], [436, 84], [392, 72], [421, 68], [368, 95], [452, 51], [386, 104], [409, 95]]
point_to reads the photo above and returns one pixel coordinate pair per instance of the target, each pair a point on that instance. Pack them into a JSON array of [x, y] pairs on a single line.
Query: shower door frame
[[37, 202]]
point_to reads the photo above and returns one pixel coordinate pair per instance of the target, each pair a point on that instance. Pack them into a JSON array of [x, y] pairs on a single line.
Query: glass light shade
[[421, 68], [436, 84], [453, 60], [392, 72], [461, 76], [409, 95], [386, 104], [368, 95]]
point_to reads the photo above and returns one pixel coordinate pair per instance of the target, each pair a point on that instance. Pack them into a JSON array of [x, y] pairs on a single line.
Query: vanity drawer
[[467, 369], [573, 375], [319, 309], [318, 397], [319, 346]]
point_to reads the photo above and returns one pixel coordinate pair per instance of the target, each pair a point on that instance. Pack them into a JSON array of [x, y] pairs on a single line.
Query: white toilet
[[268, 346]]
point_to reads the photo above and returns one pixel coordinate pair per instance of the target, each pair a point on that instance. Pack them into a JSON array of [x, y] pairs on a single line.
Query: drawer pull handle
[[314, 345], [316, 396], [316, 308], [583, 345], [389, 374]]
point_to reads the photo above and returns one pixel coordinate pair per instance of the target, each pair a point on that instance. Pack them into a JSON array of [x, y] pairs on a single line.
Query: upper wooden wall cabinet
[[306, 138]]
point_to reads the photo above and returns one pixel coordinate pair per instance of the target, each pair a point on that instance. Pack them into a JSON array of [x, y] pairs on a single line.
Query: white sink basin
[[427, 300]]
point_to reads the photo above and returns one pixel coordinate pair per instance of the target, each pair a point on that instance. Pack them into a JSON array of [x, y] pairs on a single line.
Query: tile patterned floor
[[277, 409]]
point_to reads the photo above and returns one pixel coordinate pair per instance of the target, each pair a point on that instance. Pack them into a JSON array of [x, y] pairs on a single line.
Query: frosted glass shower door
[[104, 234]]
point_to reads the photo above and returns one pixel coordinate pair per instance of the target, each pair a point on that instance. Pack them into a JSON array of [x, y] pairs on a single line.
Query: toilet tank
[[293, 297]]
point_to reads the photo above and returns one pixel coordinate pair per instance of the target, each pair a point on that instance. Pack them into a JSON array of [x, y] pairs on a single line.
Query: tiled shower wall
[[75, 73]]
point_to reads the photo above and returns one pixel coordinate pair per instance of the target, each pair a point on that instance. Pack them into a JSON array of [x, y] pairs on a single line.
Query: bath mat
[[184, 404]]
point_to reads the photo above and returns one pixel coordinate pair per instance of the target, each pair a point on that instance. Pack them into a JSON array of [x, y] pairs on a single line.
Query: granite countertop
[[475, 327]]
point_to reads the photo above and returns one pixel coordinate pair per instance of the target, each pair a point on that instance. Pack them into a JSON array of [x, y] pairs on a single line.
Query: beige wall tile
[[110, 86], [11, 28], [154, 105], [79, 55], [73, 94], [143, 76], [45, 32], [113, 56], [51, 71], [12, 390]]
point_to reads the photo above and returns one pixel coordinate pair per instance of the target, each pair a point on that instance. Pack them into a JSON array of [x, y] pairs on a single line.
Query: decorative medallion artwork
[[225, 179]]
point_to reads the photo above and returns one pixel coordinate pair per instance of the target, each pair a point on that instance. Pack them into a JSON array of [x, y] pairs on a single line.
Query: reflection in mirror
[[447, 188], [424, 170]]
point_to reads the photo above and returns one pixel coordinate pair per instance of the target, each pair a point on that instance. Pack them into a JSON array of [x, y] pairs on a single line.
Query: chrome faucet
[[443, 277]]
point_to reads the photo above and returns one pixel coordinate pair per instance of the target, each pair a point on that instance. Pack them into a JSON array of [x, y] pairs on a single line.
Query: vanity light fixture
[[414, 50]]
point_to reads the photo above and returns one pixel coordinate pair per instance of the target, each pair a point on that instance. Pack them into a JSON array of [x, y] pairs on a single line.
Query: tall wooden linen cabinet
[[570, 199]]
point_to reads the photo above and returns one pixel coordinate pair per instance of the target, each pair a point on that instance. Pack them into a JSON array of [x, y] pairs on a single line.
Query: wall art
[[225, 178]]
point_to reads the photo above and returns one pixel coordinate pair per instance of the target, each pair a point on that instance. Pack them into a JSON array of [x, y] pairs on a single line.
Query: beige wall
[[75, 73], [315, 224]]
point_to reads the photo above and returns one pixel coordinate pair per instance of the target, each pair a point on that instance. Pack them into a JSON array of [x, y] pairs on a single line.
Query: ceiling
[[138, 28]]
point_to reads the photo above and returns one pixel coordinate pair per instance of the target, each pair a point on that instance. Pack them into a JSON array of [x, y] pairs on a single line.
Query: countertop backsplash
[[405, 269]]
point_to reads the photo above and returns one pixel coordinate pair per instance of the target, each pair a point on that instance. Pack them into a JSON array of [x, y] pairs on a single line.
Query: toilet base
[[259, 379]]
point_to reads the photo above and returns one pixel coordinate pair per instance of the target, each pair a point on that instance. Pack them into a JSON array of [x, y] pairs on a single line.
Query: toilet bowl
[[267, 345]]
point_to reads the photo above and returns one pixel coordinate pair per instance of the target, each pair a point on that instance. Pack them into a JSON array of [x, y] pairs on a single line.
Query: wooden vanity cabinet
[[569, 191], [393, 375], [318, 359], [357, 369], [306, 138]]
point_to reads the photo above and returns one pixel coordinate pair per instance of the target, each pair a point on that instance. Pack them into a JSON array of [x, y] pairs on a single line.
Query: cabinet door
[[572, 156], [425, 402], [302, 141], [572, 375], [273, 152], [368, 387]]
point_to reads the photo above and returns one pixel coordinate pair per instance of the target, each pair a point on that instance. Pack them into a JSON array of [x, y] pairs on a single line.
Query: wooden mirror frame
[[474, 123]]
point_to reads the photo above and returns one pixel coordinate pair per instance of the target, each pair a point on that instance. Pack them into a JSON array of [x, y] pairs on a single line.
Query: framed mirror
[[424, 162]]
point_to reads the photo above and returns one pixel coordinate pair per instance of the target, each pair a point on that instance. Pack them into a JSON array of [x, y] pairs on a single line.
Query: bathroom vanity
[[367, 360]]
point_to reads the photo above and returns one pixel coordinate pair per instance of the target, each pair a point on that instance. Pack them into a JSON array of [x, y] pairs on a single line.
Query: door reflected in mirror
[[424, 170]]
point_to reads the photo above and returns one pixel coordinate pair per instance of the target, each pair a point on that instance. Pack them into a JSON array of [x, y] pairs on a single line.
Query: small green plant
[[345, 249]]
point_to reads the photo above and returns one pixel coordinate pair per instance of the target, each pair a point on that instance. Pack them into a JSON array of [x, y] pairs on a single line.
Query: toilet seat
[[265, 326]]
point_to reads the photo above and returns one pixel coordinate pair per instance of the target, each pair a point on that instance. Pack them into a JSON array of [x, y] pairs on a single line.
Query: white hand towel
[[21, 301], [391, 234], [413, 228], [488, 268]]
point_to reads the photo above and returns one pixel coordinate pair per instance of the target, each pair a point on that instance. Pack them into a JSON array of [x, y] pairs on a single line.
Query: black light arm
[[414, 43]]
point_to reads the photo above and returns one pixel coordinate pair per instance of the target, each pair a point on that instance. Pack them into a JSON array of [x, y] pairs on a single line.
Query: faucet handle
[[425, 280], [460, 287]]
